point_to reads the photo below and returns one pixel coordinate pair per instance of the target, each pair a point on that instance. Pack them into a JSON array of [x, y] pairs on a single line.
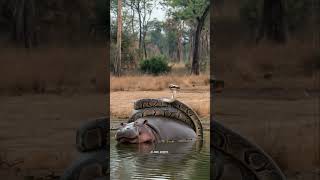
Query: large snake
[[233, 156], [232, 151], [174, 110]]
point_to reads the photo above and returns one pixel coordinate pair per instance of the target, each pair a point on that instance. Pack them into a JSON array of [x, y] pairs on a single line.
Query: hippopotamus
[[153, 130]]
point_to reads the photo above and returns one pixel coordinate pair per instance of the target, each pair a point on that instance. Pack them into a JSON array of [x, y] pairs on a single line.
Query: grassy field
[[158, 83]]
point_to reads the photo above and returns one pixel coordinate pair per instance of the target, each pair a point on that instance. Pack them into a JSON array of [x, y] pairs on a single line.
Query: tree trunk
[[117, 64], [24, 17], [144, 28], [144, 44], [180, 53], [19, 21], [132, 20], [29, 24], [195, 69], [140, 29], [273, 25], [191, 47]]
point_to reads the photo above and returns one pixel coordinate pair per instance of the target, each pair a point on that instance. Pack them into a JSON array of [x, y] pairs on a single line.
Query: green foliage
[[171, 39], [187, 10], [155, 65], [155, 32]]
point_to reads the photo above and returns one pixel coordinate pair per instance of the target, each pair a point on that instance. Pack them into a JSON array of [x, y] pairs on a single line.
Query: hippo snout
[[125, 134]]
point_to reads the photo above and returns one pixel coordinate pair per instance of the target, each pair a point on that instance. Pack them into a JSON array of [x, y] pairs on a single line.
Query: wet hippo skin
[[154, 129], [155, 120]]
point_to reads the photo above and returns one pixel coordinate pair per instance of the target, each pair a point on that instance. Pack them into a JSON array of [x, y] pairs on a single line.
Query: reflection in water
[[179, 160]]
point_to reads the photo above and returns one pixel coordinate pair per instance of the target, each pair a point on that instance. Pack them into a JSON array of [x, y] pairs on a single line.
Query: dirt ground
[[197, 98]]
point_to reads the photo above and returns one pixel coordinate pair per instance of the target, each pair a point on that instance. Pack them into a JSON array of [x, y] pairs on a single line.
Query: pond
[[174, 160]]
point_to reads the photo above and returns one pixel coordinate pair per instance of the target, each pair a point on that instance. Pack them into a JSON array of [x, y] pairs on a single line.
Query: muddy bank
[[38, 132]]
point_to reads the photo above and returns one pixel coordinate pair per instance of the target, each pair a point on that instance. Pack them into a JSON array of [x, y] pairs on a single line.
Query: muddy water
[[179, 160]]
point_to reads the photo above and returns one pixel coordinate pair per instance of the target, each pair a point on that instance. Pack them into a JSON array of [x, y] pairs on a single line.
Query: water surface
[[178, 160]]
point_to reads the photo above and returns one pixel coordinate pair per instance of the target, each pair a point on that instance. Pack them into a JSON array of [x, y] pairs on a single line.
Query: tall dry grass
[[156, 83], [245, 65], [53, 70]]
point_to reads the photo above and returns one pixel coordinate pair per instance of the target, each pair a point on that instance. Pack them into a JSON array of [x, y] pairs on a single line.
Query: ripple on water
[[164, 161]]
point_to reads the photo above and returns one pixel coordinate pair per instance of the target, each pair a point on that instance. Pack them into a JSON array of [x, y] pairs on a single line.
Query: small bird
[[173, 89]]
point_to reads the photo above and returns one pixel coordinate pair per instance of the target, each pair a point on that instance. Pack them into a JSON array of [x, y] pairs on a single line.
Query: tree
[[275, 20], [200, 23], [117, 64], [180, 51], [171, 29], [22, 15], [197, 12], [156, 37], [273, 25], [144, 9]]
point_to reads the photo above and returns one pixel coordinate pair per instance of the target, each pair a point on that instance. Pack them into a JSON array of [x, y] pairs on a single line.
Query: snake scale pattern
[[175, 110], [234, 151]]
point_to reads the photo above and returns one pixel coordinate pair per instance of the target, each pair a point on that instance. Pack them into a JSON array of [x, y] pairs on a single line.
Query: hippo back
[[174, 111]]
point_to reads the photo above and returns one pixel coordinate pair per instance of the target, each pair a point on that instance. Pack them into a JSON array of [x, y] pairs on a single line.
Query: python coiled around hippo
[[160, 120], [154, 120]]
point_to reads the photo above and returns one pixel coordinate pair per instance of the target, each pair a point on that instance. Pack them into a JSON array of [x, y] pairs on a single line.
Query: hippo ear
[[145, 121], [121, 124]]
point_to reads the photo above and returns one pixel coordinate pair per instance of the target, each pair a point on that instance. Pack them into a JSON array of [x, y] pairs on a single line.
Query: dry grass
[[156, 83], [53, 70], [122, 102], [245, 65]]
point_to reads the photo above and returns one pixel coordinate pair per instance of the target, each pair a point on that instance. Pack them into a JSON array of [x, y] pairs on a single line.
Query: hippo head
[[135, 132]]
